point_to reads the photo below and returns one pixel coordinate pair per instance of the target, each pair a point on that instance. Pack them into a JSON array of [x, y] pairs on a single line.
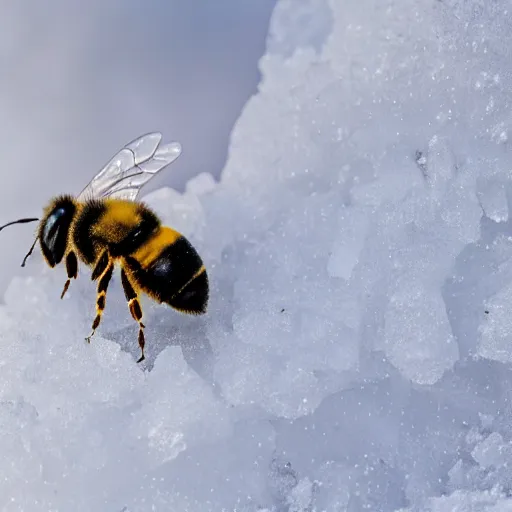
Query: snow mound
[[356, 353]]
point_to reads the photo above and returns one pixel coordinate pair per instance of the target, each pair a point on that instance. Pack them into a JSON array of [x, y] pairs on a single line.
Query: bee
[[105, 225]]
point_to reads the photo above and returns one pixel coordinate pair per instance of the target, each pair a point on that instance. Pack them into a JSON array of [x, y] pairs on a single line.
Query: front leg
[[71, 269], [103, 269], [101, 265]]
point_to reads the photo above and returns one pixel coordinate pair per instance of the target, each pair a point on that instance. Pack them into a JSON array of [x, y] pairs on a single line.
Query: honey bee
[[106, 226]]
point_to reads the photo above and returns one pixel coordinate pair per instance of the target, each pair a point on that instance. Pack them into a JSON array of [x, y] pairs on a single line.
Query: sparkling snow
[[358, 347]]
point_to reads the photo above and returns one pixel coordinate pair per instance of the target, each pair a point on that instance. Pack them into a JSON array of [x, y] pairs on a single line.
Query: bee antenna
[[23, 221], [29, 253], [19, 221]]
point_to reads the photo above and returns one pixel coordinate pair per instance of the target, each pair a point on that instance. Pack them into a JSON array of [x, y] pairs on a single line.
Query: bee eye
[[51, 227], [54, 235]]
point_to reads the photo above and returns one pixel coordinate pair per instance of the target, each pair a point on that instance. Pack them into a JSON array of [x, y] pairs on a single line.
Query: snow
[[356, 353]]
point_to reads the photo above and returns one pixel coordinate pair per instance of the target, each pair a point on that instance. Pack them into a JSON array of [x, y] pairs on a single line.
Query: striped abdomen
[[170, 270]]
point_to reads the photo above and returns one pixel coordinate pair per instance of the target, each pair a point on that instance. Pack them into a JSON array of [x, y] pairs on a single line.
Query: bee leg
[[101, 266], [101, 296], [135, 310], [71, 269]]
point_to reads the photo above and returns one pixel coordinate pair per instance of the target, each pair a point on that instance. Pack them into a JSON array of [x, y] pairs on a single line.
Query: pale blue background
[[80, 79]]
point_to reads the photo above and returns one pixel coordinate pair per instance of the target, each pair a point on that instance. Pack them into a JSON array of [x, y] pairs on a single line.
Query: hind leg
[[135, 309]]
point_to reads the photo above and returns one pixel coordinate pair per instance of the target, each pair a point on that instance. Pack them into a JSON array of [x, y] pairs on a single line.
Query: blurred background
[[80, 79]]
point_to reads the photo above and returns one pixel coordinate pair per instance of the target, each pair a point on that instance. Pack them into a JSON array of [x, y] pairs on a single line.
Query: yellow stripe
[[119, 217], [150, 251], [122, 211]]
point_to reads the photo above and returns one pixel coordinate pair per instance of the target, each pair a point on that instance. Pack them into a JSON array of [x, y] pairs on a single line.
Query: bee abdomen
[[176, 277]]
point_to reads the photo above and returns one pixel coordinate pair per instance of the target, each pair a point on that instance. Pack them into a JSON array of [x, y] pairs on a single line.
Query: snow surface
[[357, 350]]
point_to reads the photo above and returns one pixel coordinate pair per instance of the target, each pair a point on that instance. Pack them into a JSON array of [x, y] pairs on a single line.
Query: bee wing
[[131, 168]]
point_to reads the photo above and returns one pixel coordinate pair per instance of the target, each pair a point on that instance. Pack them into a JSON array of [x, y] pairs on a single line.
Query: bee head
[[54, 229]]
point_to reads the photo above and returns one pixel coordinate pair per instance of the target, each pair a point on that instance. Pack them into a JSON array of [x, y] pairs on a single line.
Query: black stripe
[[101, 302], [82, 238], [137, 311], [193, 298], [129, 292], [138, 236], [71, 265], [176, 264], [100, 267]]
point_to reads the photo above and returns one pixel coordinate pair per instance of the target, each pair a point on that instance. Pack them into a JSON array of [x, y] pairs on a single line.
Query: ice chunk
[[418, 337], [496, 327], [440, 165], [263, 381], [468, 501], [300, 497], [493, 198], [201, 184], [333, 487], [293, 26], [352, 231], [171, 423], [492, 451]]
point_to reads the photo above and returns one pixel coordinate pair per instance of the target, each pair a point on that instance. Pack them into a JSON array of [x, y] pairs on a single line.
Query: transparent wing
[[131, 168]]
